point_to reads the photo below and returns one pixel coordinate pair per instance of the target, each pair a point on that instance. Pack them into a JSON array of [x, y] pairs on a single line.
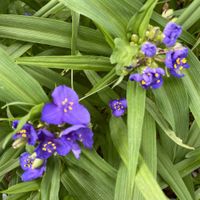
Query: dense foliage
[[100, 99]]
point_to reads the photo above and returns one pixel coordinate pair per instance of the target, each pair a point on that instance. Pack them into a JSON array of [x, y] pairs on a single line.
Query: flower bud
[[37, 163], [18, 143], [134, 38], [168, 13]]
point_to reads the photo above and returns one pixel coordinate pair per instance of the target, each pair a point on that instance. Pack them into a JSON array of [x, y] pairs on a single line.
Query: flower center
[[29, 162], [23, 133], [117, 106], [67, 105], [50, 147]]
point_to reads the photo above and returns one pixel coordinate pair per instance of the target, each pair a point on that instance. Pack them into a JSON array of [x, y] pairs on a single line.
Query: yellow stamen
[[143, 82], [71, 103], [69, 107], [49, 142], [65, 101], [158, 81], [24, 135], [44, 149], [156, 75], [181, 67], [184, 60], [65, 110], [175, 66], [178, 61]]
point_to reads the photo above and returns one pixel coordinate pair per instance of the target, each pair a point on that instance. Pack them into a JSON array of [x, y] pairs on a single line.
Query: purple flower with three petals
[[150, 77], [118, 106], [65, 108], [27, 133], [27, 162], [75, 134], [49, 144], [176, 61], [149, 49], [171, 33]]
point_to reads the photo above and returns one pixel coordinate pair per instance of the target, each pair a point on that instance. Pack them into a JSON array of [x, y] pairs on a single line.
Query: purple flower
[[118, 106], [149, 49], [49, 144], [171, 32], [65, 108], [176, 61], [75, 134], [27, 133], [31, 172], [150, 77]]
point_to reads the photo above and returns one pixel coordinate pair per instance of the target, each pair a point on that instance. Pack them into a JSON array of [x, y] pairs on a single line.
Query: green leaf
[[97, 63], [169, 173], [8, 166], [16, 84], [172, 101], [118, 131], [122, 54], [139, 22], [190, 15], [50, 184], [147, 184], [23, 187], [100, 12], [51, 32], [154, 112], [136, 108], [148, 144]]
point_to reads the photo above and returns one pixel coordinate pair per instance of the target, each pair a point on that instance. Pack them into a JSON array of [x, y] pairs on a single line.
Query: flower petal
[[63, 146], [32, 136], [86, 137], [52, 114], [76, 150], [78, 115], [23, 160], [61, 93], [32, 174], [118, 113], [41, 153], [71, 129]]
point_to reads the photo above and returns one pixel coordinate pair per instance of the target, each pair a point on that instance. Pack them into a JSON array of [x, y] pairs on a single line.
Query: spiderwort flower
[[65, 108], [150, 77], [26, 134], [49, 144], [75, 134], [176, 61], [32, 166], [171, 32], [118, 106], [149, 49]]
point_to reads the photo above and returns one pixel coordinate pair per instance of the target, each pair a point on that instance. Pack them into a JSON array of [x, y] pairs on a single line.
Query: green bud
[[154, 65], [134, 38], [149, 61], [18, 143], [134, 62], [168, 13], [160, 37], [33, 155], [37, 163]]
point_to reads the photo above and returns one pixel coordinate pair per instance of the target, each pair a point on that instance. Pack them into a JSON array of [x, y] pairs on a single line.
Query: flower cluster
[[118, 106], [173, 56], [72, 120], [150, 58]]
